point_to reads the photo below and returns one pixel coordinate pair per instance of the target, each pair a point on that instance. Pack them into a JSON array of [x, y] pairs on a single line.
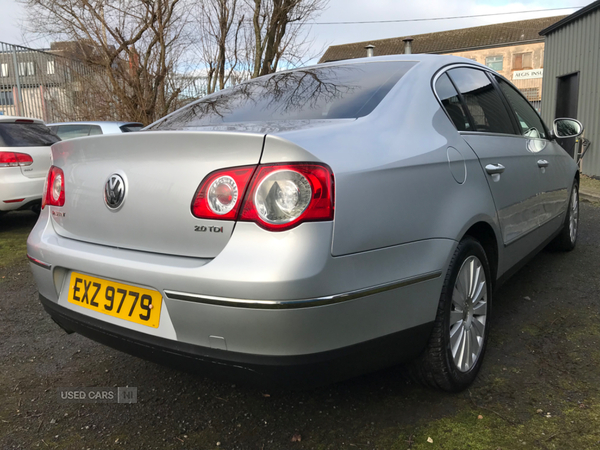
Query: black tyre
[[567, 238], [457, 344]]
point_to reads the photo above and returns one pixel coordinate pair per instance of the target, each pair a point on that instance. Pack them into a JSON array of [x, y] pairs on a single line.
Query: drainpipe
[[369, 49], [407, 45]]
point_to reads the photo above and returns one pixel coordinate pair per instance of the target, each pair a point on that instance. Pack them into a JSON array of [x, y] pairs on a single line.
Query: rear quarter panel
[[392, 174]]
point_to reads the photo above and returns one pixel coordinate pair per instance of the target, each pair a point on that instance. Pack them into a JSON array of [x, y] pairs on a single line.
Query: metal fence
[[48, 86]]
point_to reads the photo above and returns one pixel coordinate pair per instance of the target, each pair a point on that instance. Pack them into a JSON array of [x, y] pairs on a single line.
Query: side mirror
[[567, 128]]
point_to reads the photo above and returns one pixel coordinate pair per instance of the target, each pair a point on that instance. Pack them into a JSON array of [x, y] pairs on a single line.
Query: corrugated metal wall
[[575, 47], [46, 86]]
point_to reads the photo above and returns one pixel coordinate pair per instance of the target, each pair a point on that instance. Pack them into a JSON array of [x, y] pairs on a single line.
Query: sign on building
[[527, 74]]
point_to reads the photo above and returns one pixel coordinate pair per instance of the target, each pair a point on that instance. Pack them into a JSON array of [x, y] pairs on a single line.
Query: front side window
[[3, 70], [494, 62], [528, 120], [451, 102], [483, 101], [330, 92], [50, 67]]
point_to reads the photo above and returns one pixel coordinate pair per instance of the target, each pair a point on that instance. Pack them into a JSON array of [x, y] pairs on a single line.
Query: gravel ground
[[539, 386]]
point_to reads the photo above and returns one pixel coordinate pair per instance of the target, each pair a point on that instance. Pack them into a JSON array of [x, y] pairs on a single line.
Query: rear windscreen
[[26, 135], [338, 92]]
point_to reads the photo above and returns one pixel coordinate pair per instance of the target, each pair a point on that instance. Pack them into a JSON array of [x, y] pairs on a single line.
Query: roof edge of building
[[340, 52], [576, 15], [445, 52]]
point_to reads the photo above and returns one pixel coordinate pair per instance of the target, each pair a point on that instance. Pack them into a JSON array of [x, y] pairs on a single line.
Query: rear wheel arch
[[486, 236]]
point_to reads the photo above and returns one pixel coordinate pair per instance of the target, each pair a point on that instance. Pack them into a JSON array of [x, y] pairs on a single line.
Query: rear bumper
[[259, 308], [15, 186], [289, 371]]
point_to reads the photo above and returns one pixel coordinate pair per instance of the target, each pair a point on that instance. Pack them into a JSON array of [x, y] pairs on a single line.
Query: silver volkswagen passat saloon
[[309, 225]]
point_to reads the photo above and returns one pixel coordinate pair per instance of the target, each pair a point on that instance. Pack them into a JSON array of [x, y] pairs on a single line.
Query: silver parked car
[[309, 225], [24, 162], [72, 130]]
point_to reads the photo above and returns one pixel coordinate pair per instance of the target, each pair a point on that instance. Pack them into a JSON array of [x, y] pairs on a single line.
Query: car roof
[[430, 59], [13, 119]]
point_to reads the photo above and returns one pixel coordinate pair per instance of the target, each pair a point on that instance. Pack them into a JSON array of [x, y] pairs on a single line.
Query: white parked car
[[24, 162]]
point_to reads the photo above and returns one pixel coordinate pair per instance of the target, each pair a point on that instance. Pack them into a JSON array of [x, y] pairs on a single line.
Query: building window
[[3, 70], [50, 67], [522, 61], [26, 68], [6, 98], [494, 62]]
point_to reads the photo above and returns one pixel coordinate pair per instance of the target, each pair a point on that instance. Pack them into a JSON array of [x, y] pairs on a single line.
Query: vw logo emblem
[[114, 191]]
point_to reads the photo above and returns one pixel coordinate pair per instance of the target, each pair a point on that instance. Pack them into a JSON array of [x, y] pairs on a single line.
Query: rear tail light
[[220, 194], [54, 188], [277, 197], [13, 159], [283, 196]]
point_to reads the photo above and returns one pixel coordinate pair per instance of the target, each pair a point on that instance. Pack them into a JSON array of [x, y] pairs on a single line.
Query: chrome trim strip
[[37, 262], [302, 303]]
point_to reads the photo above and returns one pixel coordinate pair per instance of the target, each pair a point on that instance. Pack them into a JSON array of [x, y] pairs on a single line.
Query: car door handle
[[543, 163], [493, 169]]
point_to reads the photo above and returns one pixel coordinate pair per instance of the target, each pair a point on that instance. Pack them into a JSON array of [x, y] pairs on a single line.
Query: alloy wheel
[[468, 313], [574, 215]]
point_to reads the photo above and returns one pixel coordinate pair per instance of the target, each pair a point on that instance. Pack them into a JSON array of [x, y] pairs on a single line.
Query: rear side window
[[26, 135], [327, 92], [528, 120], [95, 130], [451, 102], [73, 131], [483, 101]]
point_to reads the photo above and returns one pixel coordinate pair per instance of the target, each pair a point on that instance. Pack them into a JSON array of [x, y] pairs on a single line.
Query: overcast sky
[[367, 10]]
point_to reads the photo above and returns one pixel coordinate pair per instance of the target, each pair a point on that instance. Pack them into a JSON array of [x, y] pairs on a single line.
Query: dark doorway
[[567, 95]]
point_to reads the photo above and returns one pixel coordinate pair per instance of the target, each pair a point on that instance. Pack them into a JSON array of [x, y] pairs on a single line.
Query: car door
[[512, 170], [552, 160]]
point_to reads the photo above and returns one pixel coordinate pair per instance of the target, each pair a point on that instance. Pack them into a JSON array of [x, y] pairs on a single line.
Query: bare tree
[[138, 43], [220, 23], [279, 31], [142, 46], [241, 39]]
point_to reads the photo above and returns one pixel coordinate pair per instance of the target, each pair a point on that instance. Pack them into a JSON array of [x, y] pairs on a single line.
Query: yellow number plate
[[126, 302]]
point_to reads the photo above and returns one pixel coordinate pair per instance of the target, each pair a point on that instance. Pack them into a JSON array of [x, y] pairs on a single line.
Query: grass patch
[[14, 229], [13, 247], [557, 408], [571, 426], [590, 185]]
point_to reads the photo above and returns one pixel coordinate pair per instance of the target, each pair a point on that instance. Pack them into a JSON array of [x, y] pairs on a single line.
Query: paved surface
[[539, 387]]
